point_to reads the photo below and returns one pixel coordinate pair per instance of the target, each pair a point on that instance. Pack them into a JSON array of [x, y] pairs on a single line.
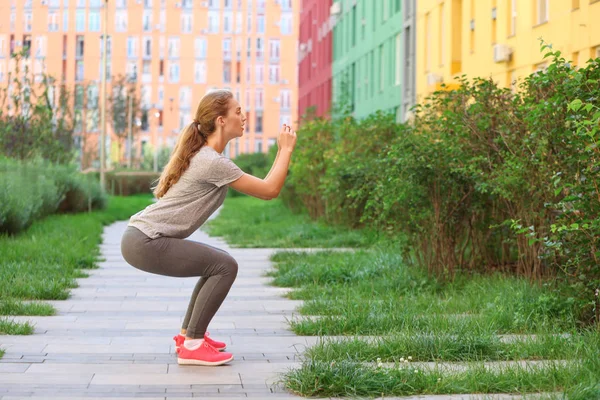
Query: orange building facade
[[173, 51]]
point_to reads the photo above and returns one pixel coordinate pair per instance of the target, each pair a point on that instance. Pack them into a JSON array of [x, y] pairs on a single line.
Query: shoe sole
[[191, 361], [223, 349]]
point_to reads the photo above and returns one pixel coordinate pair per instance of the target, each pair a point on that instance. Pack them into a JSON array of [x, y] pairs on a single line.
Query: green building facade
[[373, 56]]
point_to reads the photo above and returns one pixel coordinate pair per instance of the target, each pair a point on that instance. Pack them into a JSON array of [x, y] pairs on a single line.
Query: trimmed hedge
[[37, 188]]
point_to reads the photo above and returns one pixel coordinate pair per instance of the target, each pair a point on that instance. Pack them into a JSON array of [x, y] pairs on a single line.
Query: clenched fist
[[286, 140]]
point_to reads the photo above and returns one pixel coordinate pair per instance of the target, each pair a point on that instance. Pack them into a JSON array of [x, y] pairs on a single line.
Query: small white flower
[[409, 358], [378, 359], [379, 365], [416, 371], [439, 379], [405, 361], [402, 359]]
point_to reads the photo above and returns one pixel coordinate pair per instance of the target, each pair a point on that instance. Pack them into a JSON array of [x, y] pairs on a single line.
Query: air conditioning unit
[[302, 46], [336, 8], [502, 53], [284, 81], [432, 79]]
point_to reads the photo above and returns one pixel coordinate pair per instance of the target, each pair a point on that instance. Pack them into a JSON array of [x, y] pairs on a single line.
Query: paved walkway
[[112, 338]]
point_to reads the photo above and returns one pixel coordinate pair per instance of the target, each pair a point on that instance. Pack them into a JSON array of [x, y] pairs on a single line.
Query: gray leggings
[[184, 258]]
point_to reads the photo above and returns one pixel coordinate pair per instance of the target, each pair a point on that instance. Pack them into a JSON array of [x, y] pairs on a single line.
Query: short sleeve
[[223, 171]]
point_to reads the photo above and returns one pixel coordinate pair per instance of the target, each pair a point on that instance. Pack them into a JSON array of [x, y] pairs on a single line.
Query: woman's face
[[235, 119]]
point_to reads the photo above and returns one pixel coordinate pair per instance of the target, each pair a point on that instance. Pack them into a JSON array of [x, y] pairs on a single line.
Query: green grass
[[405, 312], [43, 262], [372, 292], [251, 222]]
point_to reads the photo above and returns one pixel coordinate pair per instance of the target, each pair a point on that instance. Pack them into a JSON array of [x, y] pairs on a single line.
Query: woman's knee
[[229, 267]]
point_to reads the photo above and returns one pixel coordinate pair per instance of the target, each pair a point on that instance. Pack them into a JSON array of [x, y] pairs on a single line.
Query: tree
[[122, 91]]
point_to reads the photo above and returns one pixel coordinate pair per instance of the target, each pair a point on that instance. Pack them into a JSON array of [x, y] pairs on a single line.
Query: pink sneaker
[[179, 339], [203, 355]]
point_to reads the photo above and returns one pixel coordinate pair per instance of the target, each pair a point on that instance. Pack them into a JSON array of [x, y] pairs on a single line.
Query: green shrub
[[483, 178], [127, 183], [38, 188]]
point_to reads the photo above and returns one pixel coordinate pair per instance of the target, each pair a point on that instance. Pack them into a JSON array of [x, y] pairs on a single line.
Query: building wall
[[315, 57], [367, 53], [177, 31], [456, 37]]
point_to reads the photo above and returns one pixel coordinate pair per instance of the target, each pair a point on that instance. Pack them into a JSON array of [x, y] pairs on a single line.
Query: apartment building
[[373, 53], [315, 57], [500, 39], [173, 51]]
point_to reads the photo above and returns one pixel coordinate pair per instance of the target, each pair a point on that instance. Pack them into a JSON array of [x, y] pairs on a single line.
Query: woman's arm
[[270, 187]]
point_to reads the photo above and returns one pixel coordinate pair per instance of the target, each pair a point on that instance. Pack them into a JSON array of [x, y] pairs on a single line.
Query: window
[[542, 11], [258, 99], [248, 73], [574, 4], [173, 47], [213, 21], [200, 46], [249, 48], [227, 72], [286, 5], [148, 3], [512, 18], [147, 47], [260, 24], [80, 3], [186, 23], [273, 74], [52, 21], [80, 21], [398, 65], [272, 142], [227, 4], [258, 145], [79, 70], [65, 20], [173, 72], [260, 74], [121, 3], [227, 22], [3, 46], [186, 3], [238, 48], [40, 46], [162, 16], [285, 99], [259, 123], [185, 97], [121, 19], [227, 49], [259, 48], [286, 24], [381, 68], [147, 20], [79, 46], [94, 21], [238, 22], [249, 22], [161, 46], [385, 10], [200, 72], [214, 4], [274, 48], [131, 71], [147, 71], [161, 95], [132, 45]]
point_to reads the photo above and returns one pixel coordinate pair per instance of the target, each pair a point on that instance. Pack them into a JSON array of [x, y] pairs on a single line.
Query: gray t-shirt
[[201, 189]]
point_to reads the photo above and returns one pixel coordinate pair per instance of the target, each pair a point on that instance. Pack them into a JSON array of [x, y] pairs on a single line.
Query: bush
[[38, 188], [483, 178], [127, 183]]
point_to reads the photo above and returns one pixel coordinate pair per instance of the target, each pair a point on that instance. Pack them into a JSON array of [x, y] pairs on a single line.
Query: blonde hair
[[193, 137]]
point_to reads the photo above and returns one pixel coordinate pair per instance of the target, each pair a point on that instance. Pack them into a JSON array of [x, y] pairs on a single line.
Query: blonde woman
[[191, 187]]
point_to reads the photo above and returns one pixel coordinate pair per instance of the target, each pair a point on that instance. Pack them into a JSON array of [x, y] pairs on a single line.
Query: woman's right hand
[[286, 140]]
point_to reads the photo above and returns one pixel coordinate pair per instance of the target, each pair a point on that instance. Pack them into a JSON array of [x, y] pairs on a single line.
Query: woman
[[191, 187]]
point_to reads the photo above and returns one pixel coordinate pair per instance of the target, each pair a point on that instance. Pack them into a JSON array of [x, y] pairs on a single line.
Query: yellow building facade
[[499, 38]]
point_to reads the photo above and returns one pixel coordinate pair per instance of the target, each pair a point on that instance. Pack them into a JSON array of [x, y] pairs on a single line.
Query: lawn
[[43, 262], [399, 331]]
